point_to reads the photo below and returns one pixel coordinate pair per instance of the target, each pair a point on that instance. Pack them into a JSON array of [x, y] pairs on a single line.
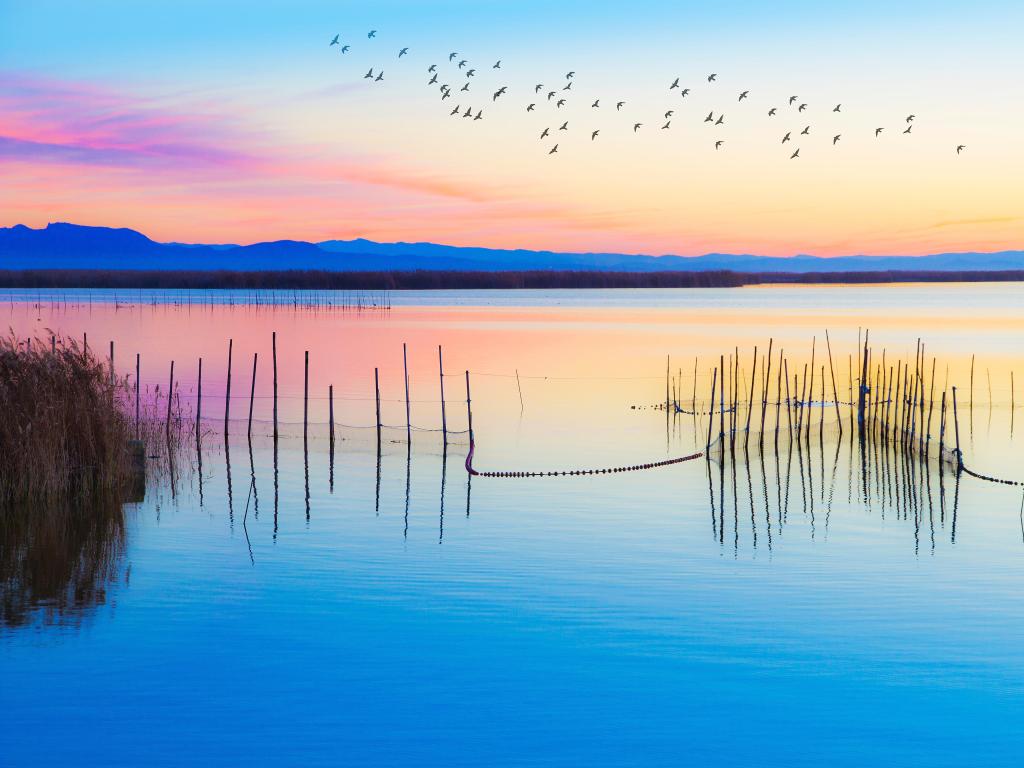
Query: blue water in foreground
[[714, 614]]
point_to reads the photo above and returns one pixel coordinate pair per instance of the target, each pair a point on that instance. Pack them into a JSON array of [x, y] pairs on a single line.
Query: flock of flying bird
[[561, 94]]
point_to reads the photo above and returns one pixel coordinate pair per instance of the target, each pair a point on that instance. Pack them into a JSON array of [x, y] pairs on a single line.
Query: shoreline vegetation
[[476, 280]]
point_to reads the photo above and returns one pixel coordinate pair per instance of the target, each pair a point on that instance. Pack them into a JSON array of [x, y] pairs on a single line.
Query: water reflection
[[58, 564]]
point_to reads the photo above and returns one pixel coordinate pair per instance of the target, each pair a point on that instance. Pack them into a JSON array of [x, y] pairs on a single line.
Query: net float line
[[576, 472]]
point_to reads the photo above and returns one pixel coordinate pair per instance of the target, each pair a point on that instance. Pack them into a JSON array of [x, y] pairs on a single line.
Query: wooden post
[[252, 393], [138, 366], [711, 414], [170, 399], [971, 402], [956, 427], [330, 406], [112, 362], [863, 388], [942, 425], [835, 390], [227, 392], [408, 413], [444, 418], [668, 366], [273, 348], [750, 399], [199, 400], [721, 398], [376, 387], [764, 387], [305, 398], [469, 411]]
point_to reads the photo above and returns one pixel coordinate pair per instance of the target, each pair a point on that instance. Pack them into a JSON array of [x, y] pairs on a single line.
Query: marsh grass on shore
[[67, 424]]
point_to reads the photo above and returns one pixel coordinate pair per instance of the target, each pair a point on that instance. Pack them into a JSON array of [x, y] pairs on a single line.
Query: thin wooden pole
[[227, 391], [750, 399], [376, 388], [764, 386], [956, 427], [138, 361], [273, 352], [971, 402], [408, 413], [721, 397], [252, 393], [330, 401], [112, 376], [711, 414], [520, 388], [170, 399], [835, 390], [469, 411], [199, 400], [305, 397], [444, 418]]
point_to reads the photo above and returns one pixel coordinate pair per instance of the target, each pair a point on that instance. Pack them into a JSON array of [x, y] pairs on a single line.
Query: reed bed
[[70, 430]]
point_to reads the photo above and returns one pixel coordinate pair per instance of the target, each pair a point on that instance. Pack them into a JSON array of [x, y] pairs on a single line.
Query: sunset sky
[[237, 122]]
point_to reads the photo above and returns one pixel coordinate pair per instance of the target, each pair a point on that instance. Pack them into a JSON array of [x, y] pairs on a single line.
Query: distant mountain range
[[71, 246]]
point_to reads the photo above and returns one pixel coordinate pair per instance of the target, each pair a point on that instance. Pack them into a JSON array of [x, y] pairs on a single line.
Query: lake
[[370, 603]]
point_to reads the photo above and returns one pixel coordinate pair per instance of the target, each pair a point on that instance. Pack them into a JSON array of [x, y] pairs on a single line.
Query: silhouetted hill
[[71, 246]]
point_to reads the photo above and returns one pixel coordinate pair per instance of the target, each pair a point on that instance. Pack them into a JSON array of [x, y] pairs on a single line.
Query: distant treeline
[[439, 279]]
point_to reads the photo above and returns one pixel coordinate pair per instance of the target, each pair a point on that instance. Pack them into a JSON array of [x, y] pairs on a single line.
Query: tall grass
[[65, 425]]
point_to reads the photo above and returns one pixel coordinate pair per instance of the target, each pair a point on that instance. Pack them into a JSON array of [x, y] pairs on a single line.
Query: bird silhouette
[[636, 127], [564, 126], [433, 79], [675, 84], [468, 112], [910, 118], [452, 55], [445, 95], [560, 103], [806, 131], [402, 52], [551, 95], [712, 77], [743, 95], [368, 74], [455, 111], [344, 48], [334, 41], [669, 114], [479, 115], [619, 105], [537, 87], [499, 92], [908, 128], [371, 34], [835, 139], [596, 104], [792, 99], [465, 87], [683, 92], [432, 68], [570, 75], [594, 134], [710, 118], [786, 137], [463, 63], [960, 148], [568, 86], [771, 112], [379, 77], [719, 143], [553, 150], [836, 109], [544, 133], [496, 65], [878, 131], [666, 125], [529, 107], [795, 155], [801, 108], [720, 120], [471, 73]]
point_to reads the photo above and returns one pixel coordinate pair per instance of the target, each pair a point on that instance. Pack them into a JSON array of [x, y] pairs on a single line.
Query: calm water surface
[[806, 606]]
